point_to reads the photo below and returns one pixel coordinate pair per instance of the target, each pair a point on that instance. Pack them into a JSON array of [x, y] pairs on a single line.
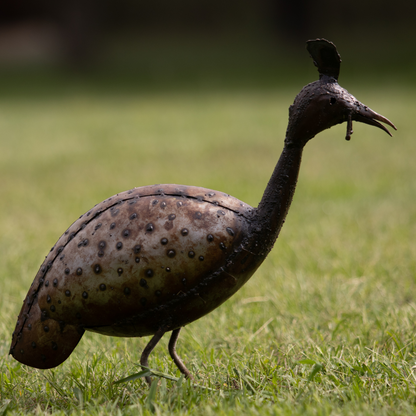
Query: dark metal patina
[[153, 259]]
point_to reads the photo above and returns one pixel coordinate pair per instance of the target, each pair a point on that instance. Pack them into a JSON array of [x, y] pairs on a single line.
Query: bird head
[[324, 103]]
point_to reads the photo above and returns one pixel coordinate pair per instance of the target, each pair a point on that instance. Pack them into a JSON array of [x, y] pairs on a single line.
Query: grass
[[326, 326]]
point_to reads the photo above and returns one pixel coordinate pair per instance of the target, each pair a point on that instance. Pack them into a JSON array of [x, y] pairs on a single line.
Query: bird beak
[[366, 115]]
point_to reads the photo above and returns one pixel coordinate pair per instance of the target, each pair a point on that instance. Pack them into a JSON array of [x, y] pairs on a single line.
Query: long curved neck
[[275, 203]]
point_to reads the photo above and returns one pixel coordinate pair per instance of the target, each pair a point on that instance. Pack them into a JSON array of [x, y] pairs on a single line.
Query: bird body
[[156, 258], [155, 255]]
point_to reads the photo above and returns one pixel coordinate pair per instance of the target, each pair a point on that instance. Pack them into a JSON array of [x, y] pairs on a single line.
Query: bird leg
[[349, 127], [175, 357], [144, 359]]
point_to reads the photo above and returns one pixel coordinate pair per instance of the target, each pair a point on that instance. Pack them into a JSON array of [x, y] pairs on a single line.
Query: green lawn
[[326, 326]]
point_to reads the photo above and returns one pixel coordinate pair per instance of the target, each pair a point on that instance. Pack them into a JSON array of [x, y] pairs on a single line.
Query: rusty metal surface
[[141, 258], [158, 257]]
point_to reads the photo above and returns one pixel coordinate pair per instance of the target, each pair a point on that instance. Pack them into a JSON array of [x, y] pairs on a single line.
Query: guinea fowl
[[156, 258]]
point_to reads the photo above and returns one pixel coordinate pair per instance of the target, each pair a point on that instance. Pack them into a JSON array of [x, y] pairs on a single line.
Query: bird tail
[[43, 343]]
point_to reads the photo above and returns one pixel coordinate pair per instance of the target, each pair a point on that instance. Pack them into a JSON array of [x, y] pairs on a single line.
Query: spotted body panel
[[140, 259], [153, 259]]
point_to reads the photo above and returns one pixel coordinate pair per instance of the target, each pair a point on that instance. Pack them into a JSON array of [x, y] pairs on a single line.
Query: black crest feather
[[325, 57]]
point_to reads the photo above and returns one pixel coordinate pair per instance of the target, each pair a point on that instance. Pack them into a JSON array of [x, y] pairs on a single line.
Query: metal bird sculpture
[[156, 258]]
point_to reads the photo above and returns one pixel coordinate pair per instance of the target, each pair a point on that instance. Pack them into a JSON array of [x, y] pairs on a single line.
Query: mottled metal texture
[[142, 258], [153, 259]]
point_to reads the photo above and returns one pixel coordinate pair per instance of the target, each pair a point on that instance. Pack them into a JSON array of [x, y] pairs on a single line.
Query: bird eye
[[332, 101]]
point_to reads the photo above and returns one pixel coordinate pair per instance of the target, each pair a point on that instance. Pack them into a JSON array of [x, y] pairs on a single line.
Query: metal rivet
[[97, 226], [168, 269], [126, 233], [112, 225], [100, 253], [29, 326], [143, 283], [158, 293], [101, 245], [222, 246], [97, 269], [149, 227], [191, 254], [33, 344], [155, 202], [85, 295], [48, 299], [46, 328], [55, 282], [220, 212], [149, 272], [103, 287], [120, 271], [79, 271], [127, 291], [179, 204], [119, 245], [163, 205], [201, 258], [164, 241], [133, 216], [171, 253], [198, 215], [137, 259], [52, 308], [184, 281], [184, 231], [47, 283], [67, 293], [171, 217], [137, 249], [230, 231]]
